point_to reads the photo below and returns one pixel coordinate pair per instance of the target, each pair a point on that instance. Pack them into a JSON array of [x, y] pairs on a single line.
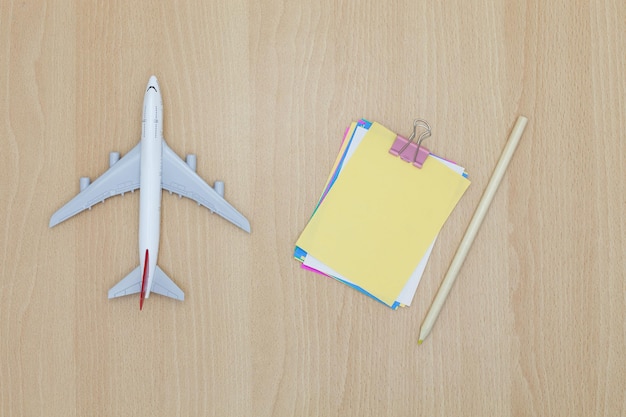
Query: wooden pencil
[[472, 229]]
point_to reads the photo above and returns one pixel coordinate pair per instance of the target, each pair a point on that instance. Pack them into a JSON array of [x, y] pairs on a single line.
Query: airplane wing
[[178, 178], [121, 178]]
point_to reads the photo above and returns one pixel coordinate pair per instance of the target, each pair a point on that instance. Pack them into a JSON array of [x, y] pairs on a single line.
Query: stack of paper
[[377, 220]]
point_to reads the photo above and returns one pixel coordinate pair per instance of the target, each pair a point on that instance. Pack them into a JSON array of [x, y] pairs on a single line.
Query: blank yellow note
[[381, 215]]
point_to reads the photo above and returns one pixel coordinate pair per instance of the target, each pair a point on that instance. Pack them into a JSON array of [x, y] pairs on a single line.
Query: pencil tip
[[419, 342]]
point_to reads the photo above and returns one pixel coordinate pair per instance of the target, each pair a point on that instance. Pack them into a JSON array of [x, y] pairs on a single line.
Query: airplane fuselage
[[150, 183]]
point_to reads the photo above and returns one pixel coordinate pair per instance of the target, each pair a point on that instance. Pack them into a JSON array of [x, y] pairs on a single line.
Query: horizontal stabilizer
[[162, 284], [131, 284], [165, 286]]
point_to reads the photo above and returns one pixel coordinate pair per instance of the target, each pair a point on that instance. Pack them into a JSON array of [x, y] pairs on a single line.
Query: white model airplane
[[150, 166]]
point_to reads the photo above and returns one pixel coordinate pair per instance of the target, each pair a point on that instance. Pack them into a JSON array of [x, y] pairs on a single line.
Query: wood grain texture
[[261, 92]]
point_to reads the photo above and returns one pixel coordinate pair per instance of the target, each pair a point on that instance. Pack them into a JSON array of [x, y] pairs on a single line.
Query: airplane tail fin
[[131, 284], [144, 277]]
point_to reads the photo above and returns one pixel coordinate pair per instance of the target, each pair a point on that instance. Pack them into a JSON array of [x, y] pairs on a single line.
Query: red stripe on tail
[[143, 281]]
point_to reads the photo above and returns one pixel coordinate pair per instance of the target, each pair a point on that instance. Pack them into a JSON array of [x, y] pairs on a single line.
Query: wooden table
[[262, 92]]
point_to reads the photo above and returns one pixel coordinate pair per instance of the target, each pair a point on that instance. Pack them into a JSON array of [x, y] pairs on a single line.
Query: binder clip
[[411, 149]]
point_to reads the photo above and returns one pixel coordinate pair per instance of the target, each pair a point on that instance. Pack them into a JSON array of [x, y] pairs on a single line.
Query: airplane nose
[[153, 83]]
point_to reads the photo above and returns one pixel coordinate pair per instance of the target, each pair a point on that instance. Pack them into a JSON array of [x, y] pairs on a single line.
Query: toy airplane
[[150, 166]]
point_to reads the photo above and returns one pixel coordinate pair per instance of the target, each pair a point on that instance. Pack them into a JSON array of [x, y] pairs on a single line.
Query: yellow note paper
[[381, 215]]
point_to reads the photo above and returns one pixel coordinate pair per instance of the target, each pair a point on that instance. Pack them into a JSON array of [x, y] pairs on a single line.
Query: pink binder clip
[[412, 151]]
